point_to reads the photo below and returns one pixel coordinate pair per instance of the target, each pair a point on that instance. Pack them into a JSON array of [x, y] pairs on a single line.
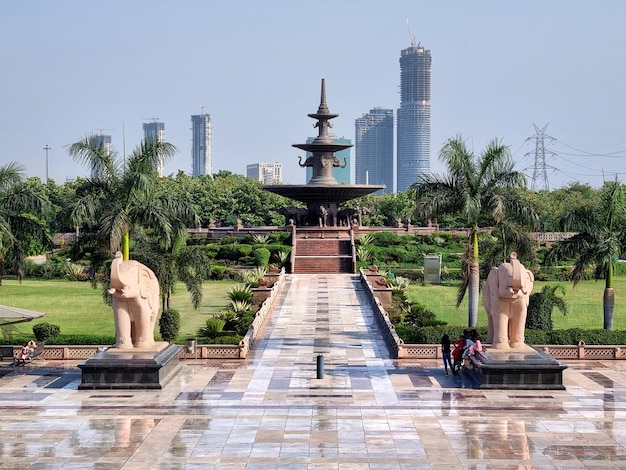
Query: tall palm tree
[[121, 198], [189, 264], [20, 209], [474, 187], [600, 241]]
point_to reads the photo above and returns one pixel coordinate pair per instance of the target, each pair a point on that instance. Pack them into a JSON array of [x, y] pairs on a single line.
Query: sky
[[74, 67]]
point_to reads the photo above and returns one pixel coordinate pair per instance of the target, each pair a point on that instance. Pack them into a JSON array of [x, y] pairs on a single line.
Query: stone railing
[[574, 352], [405, 351], [393, 340], [266, 308]]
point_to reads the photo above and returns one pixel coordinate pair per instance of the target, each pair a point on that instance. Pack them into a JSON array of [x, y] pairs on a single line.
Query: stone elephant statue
[[323, 216], [135, 291], [505, 297], [297, 214]]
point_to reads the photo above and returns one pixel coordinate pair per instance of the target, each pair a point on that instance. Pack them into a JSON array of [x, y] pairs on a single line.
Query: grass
[[584, 301], [79, 309]]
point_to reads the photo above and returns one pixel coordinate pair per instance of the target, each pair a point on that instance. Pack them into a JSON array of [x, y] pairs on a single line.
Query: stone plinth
[[523, 369], [131, 369]]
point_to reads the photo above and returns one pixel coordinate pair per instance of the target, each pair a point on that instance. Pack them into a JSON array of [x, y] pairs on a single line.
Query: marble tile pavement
[[272, 412]]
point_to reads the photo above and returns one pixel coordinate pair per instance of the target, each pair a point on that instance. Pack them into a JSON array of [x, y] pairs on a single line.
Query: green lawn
[[79, 309], [584, 300]]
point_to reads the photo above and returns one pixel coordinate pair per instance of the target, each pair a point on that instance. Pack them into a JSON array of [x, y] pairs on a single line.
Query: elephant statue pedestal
[[136, 361], [508, 363], [524, 369], [137, 369]]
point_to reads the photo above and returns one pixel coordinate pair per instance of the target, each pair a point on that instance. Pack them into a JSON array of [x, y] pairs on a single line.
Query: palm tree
[[600, 241], [189, 264], [476, 189], [120, 199], [20, 208]]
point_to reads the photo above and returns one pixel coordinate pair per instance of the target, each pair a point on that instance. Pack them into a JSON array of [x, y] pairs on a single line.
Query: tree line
[[126, 200]]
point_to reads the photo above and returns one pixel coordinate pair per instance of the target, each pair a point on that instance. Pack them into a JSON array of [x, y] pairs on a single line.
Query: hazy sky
[[73, 67]]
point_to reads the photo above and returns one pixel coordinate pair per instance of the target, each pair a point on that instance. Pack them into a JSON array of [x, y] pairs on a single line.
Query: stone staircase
[[327, 250]]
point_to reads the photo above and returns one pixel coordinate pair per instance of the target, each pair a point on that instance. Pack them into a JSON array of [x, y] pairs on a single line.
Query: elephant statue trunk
[[135, 291]]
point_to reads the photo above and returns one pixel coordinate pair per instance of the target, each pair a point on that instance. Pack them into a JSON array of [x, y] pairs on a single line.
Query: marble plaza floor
[[271, 411]]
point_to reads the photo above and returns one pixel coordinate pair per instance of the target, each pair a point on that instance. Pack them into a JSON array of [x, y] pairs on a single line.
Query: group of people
[[466, 345], [26, 352]]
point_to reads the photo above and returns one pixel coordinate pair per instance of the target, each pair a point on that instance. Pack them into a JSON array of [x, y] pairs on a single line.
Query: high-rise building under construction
[[155, 131], [374, 149], [413, 132], [201, 145]]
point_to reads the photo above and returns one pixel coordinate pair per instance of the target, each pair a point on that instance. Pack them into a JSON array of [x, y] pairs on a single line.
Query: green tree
[[122, 198], [542, 304], [20, 224], [598, 243], [473, 187], [189, 264]]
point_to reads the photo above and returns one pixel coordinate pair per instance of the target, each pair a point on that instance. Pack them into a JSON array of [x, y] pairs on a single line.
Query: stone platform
[[522, 369], [136, 369]]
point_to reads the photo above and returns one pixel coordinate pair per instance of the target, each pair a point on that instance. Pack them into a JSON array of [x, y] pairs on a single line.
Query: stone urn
[[381, 282]]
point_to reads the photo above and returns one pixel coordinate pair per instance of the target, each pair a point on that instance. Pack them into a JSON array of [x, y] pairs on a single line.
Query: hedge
[[572, 336]]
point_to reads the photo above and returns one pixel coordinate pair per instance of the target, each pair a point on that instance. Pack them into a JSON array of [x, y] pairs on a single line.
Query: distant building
[[103, 142], [374, 149], [201, 145], [266, 173], [342, 175], [413, 139], [155, 131]]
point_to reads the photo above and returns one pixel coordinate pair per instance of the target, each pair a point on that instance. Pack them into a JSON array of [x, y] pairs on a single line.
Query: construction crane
[[408, 29]]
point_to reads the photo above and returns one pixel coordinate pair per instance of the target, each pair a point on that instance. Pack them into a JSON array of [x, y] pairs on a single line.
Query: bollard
[[320, 366]]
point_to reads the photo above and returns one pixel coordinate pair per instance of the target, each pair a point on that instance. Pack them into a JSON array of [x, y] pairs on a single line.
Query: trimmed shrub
[[169, 324], [229, 252], [261, 257], [245, 250], [45, 331], [542, 304], [245, 320], [227, 339], [387, 239]]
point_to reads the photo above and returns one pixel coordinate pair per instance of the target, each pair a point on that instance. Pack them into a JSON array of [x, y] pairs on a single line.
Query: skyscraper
[[413, 145], [101, 142], [342, 175], [155, 130], [201, 145], [374, 148], [266, 173]]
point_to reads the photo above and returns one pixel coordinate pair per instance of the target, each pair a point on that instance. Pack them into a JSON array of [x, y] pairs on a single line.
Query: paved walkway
[[271, 411]]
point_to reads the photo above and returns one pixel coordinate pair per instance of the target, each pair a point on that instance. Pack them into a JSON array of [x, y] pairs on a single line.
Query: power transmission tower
[[540, 168]]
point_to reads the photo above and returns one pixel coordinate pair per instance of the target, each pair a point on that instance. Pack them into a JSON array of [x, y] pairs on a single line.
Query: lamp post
[[46, 148]]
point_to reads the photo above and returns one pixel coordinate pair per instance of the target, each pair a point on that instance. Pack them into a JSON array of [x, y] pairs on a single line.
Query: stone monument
[[322, 194], [136, 361], [509, 363]]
